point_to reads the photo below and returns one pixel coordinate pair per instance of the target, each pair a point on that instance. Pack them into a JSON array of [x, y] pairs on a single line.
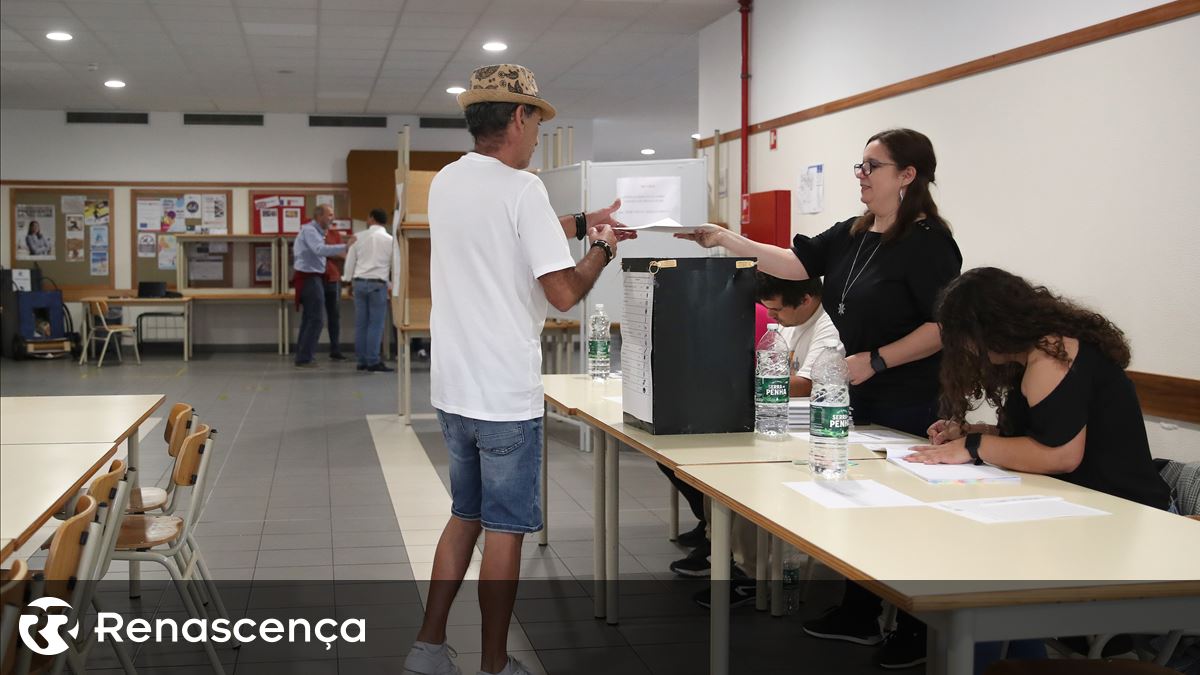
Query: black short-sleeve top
[[1096, 394], [892, 292]]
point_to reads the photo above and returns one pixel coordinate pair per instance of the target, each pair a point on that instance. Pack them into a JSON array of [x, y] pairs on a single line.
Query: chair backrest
[[188, 462], [104, 488], [66, 550], [179, 426], [14, 595], [100, 309]]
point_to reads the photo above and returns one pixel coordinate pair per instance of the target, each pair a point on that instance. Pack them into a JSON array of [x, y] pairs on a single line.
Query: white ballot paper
[[852, 494], [1016, 509], [668, 225], [949, 473]]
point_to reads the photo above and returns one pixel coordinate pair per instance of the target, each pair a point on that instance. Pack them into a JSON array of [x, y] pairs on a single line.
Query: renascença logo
[[112, 626], [51, 633]]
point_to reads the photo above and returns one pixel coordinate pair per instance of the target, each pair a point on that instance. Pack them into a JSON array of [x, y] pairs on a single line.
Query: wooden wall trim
[[1176, 398], [1154, 16], [179, 184]]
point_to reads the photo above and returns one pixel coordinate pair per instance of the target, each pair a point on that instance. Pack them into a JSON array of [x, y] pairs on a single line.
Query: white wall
[[1065, 169], [808, 52]]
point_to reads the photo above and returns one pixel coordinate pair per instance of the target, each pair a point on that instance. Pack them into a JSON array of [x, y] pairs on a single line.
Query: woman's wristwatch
[[972, 443]]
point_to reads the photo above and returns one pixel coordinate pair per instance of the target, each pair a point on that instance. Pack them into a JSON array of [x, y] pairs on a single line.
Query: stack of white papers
[[949, 473], [669, 225], [1016, 509], [852, 494]]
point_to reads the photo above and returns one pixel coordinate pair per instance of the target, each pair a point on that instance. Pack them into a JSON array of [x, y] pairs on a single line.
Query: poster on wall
[[269, 220], [75, 243], [810, 190], [35, 232], [205, 268], [341, 223], [291, 219], [646, 199], [192, 206], [99, 263], [266, 203], [262, 264], [325, 200], [99, 237], [95, 212], [149, 214], [213, 214], [291, 201], [168, 251], [74, 223], [73, 203], [147, 244]]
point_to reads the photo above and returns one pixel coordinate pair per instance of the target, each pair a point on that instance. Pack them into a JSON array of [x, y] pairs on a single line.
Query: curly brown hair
[[990, 310]]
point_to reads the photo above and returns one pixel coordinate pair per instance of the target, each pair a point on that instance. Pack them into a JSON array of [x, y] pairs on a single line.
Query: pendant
[[841, 308]]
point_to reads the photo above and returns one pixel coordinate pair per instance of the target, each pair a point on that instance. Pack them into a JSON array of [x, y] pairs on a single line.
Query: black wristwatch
[[877, 362], [580, 226], [972, 443], [608, 252]]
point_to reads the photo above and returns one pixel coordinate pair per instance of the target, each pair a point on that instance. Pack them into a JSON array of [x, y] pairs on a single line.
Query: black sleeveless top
[[1097, 394]]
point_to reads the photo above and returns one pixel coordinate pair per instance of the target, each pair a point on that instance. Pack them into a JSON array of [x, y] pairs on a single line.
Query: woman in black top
[[1056, 374], [883, 271]]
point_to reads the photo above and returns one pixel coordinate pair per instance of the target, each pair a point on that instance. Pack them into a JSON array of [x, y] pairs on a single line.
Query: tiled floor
[[315, 481]]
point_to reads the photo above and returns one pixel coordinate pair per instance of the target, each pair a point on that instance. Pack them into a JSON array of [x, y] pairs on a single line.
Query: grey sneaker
[[513, 667], [427, 659]]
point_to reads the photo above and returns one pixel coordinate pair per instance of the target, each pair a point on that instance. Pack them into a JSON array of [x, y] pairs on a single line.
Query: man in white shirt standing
[[369, 268], [796, 305], [499, 255]]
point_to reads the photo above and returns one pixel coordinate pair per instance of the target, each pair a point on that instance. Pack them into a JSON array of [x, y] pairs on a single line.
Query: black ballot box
[[687, 344]]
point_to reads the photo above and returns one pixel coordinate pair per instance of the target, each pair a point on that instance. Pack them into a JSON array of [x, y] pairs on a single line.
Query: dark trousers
[[312, 318], [333, 313], [694, 497], [911, 418]]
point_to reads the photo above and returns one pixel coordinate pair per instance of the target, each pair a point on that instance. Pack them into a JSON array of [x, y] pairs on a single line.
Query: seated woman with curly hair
[[1055, 372]]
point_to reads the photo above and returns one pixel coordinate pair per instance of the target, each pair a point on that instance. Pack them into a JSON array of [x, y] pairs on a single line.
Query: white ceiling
[[592, 58]]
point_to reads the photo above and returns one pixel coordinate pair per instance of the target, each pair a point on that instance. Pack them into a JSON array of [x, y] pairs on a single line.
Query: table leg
[[958, 643], [406, 388], [187, 331], [612, 513], [544, 535], [934, 652], [718, 638], [598, 514], [132, 461], [762, 546], [673, 505], [287, 328], [777, 608], [560, 353]]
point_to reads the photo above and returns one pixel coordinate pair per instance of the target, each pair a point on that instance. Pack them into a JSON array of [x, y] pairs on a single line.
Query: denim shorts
[[495, 472]]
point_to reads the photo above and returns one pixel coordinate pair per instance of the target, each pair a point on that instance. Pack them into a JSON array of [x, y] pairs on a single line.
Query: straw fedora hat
[[505, 83]]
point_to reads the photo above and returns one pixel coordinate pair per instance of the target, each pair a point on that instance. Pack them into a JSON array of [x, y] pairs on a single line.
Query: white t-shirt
[[493, 233], [807, 340]]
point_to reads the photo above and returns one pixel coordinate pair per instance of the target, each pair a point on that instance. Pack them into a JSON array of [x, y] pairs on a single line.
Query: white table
[[1136, 569], [37, 480]]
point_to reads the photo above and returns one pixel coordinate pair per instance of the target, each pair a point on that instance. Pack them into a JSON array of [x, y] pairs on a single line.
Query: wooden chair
[[168, 541], [179, 425], [98, 309], [14, 595]]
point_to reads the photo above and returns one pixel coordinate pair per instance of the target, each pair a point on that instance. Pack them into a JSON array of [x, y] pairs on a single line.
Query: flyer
[[75, 244], [149, 214], [213, 214], [99, 263], [35, 231], [99, 237], [147, 244], [168, 251], [95, 213]]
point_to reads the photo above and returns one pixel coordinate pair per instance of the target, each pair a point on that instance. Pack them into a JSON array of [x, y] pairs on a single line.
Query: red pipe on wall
[[746, 8]]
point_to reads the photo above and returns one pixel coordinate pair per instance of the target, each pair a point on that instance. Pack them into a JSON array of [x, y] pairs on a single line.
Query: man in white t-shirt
[[499, 257], [796, 305]]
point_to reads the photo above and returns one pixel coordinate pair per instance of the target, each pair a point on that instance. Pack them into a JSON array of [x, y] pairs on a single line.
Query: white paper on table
[[614, 399], [1016, 509], [882, 436], [950, 473], [663, 225], [852, 494]]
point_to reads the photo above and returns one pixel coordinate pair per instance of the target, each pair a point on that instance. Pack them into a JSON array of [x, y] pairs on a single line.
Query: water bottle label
[[771, 389], [598, 349], [830, 421]]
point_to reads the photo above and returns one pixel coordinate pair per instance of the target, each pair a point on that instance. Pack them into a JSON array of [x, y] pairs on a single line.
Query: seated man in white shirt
[[369, 268], [796, 305]]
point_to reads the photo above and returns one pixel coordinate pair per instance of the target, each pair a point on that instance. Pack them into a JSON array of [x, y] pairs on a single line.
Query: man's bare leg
[[498, 579], [450, 563]]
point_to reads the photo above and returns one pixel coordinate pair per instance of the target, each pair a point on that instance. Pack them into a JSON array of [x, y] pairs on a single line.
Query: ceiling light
[[59, 36], [695, 137], [495, 46], [647, 151], [114, 84], [455, 90]]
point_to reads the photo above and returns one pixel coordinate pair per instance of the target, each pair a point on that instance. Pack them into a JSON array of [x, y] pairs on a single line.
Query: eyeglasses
[[864, 169]]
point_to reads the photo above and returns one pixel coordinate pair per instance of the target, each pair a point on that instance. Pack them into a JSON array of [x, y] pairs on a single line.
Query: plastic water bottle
[[829, 423], [599, 341], [791, 579], [771, 385]]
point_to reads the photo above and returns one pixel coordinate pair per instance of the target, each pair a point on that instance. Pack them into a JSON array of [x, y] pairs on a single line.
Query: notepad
[[852, 494], [949, 473], [1016, 509]]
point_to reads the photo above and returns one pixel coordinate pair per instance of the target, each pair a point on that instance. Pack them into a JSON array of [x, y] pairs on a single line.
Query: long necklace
[[850, 281]]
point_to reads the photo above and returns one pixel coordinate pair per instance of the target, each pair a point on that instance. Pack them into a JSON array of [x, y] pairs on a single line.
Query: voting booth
[[687, 347]]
